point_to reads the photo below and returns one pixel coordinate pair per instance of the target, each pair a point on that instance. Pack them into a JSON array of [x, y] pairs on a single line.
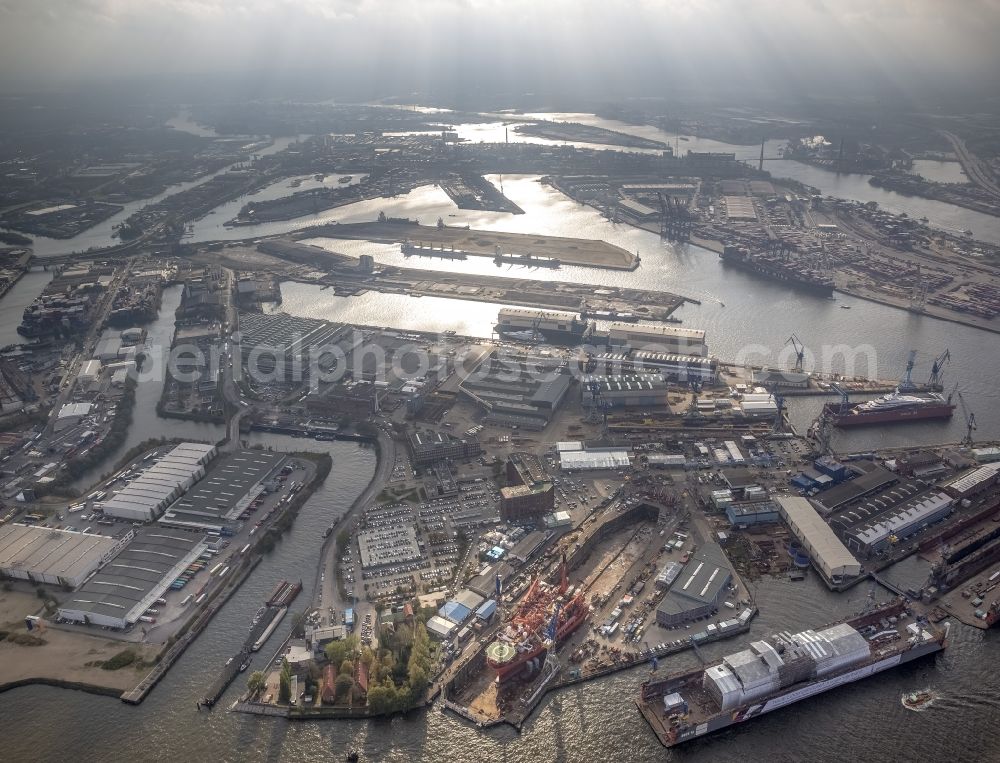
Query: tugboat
[[917, 700]]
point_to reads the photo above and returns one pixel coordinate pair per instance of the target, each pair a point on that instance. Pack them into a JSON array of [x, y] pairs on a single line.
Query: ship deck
[[702, 707]]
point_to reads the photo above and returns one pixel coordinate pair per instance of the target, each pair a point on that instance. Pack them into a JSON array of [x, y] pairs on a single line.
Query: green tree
[[343, 687], [383, 698], [347, 668], [338, 651], [256, 683], [284, 688]]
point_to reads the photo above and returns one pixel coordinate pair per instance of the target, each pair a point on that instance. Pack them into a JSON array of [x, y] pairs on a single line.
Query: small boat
[[346, 179], [845, 307], [917, 700], [245, 664]]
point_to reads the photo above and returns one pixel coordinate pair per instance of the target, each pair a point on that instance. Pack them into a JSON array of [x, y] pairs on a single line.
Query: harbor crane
[[970, 421], [906, 383], [937, 369], [800, 352]]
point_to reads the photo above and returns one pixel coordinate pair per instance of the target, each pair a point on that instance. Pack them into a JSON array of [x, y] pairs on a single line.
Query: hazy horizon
[[459, 49]]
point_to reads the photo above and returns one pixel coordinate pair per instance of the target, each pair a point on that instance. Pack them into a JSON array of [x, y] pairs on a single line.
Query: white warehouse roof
[[827, 552], [74, 409], [594, 459]]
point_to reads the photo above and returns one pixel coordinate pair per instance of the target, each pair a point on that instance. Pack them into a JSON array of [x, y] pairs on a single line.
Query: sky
[[605, 47]]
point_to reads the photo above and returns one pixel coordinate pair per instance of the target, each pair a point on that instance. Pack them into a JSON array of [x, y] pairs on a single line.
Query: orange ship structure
[[546, 617]]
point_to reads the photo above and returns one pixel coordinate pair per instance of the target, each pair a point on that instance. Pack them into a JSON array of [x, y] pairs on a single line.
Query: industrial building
[[972, 482], [158, 486], [673, 367], [440, 628], [553, 326], [870, 478], [637, 209], [831, 557], [430, 447], [666, 461], [747, 513], [740, 208], [760, 405], [901, 523], [71, 414], [225, 492], [525, 502], [90, 372], [670, 572], [128, 585], [518, 390], [54, 557], [986, 455], [658, 338], [767, 377], [628, 391], [594, 458], [280, 347], [699, 590]]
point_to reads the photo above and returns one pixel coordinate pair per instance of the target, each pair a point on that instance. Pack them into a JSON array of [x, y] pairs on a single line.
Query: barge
[[784, 668]]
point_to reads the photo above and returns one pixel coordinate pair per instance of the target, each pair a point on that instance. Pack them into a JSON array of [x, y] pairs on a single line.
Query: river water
[[737, 310], [102, 234], [593, 721]]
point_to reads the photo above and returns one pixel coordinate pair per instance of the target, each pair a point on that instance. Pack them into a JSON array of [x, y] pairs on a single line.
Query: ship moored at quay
[[776, 268], [783, 669], [892, 408]]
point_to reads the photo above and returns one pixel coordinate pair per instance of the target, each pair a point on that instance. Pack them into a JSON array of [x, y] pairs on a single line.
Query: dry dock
[[569, 251]]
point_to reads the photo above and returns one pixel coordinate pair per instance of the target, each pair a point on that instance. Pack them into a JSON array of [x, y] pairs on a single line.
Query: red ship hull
[[842, 417], [512, 669]]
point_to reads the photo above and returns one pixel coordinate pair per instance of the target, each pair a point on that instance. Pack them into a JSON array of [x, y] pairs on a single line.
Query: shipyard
[[464, 410]]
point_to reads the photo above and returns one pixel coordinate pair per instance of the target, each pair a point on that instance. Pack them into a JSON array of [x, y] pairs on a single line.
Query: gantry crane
[[937, 369], [970, 421], [906, 383], [800, 352]]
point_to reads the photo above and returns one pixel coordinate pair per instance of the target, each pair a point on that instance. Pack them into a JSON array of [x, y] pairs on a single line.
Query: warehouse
[[151, 492], [666, 461], [699, 590], [744, 514], [872, 479], [225, 492], [90, 372], [280, 347], [72, 414], [440, 628], [521, 390], [766, 377], [119, 594], [903, 522], [671, 366], [831, 557], [596, 458], [55, 557], [657, 338], [972, 482], [628, 391]]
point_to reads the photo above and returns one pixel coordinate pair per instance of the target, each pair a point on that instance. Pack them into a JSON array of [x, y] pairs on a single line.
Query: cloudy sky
[[391, 46]]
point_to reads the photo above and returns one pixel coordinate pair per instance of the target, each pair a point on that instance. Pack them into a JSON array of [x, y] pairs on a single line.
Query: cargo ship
[[892, 408], [777, 269], [546, 617], [785, 668], [550, 326]]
